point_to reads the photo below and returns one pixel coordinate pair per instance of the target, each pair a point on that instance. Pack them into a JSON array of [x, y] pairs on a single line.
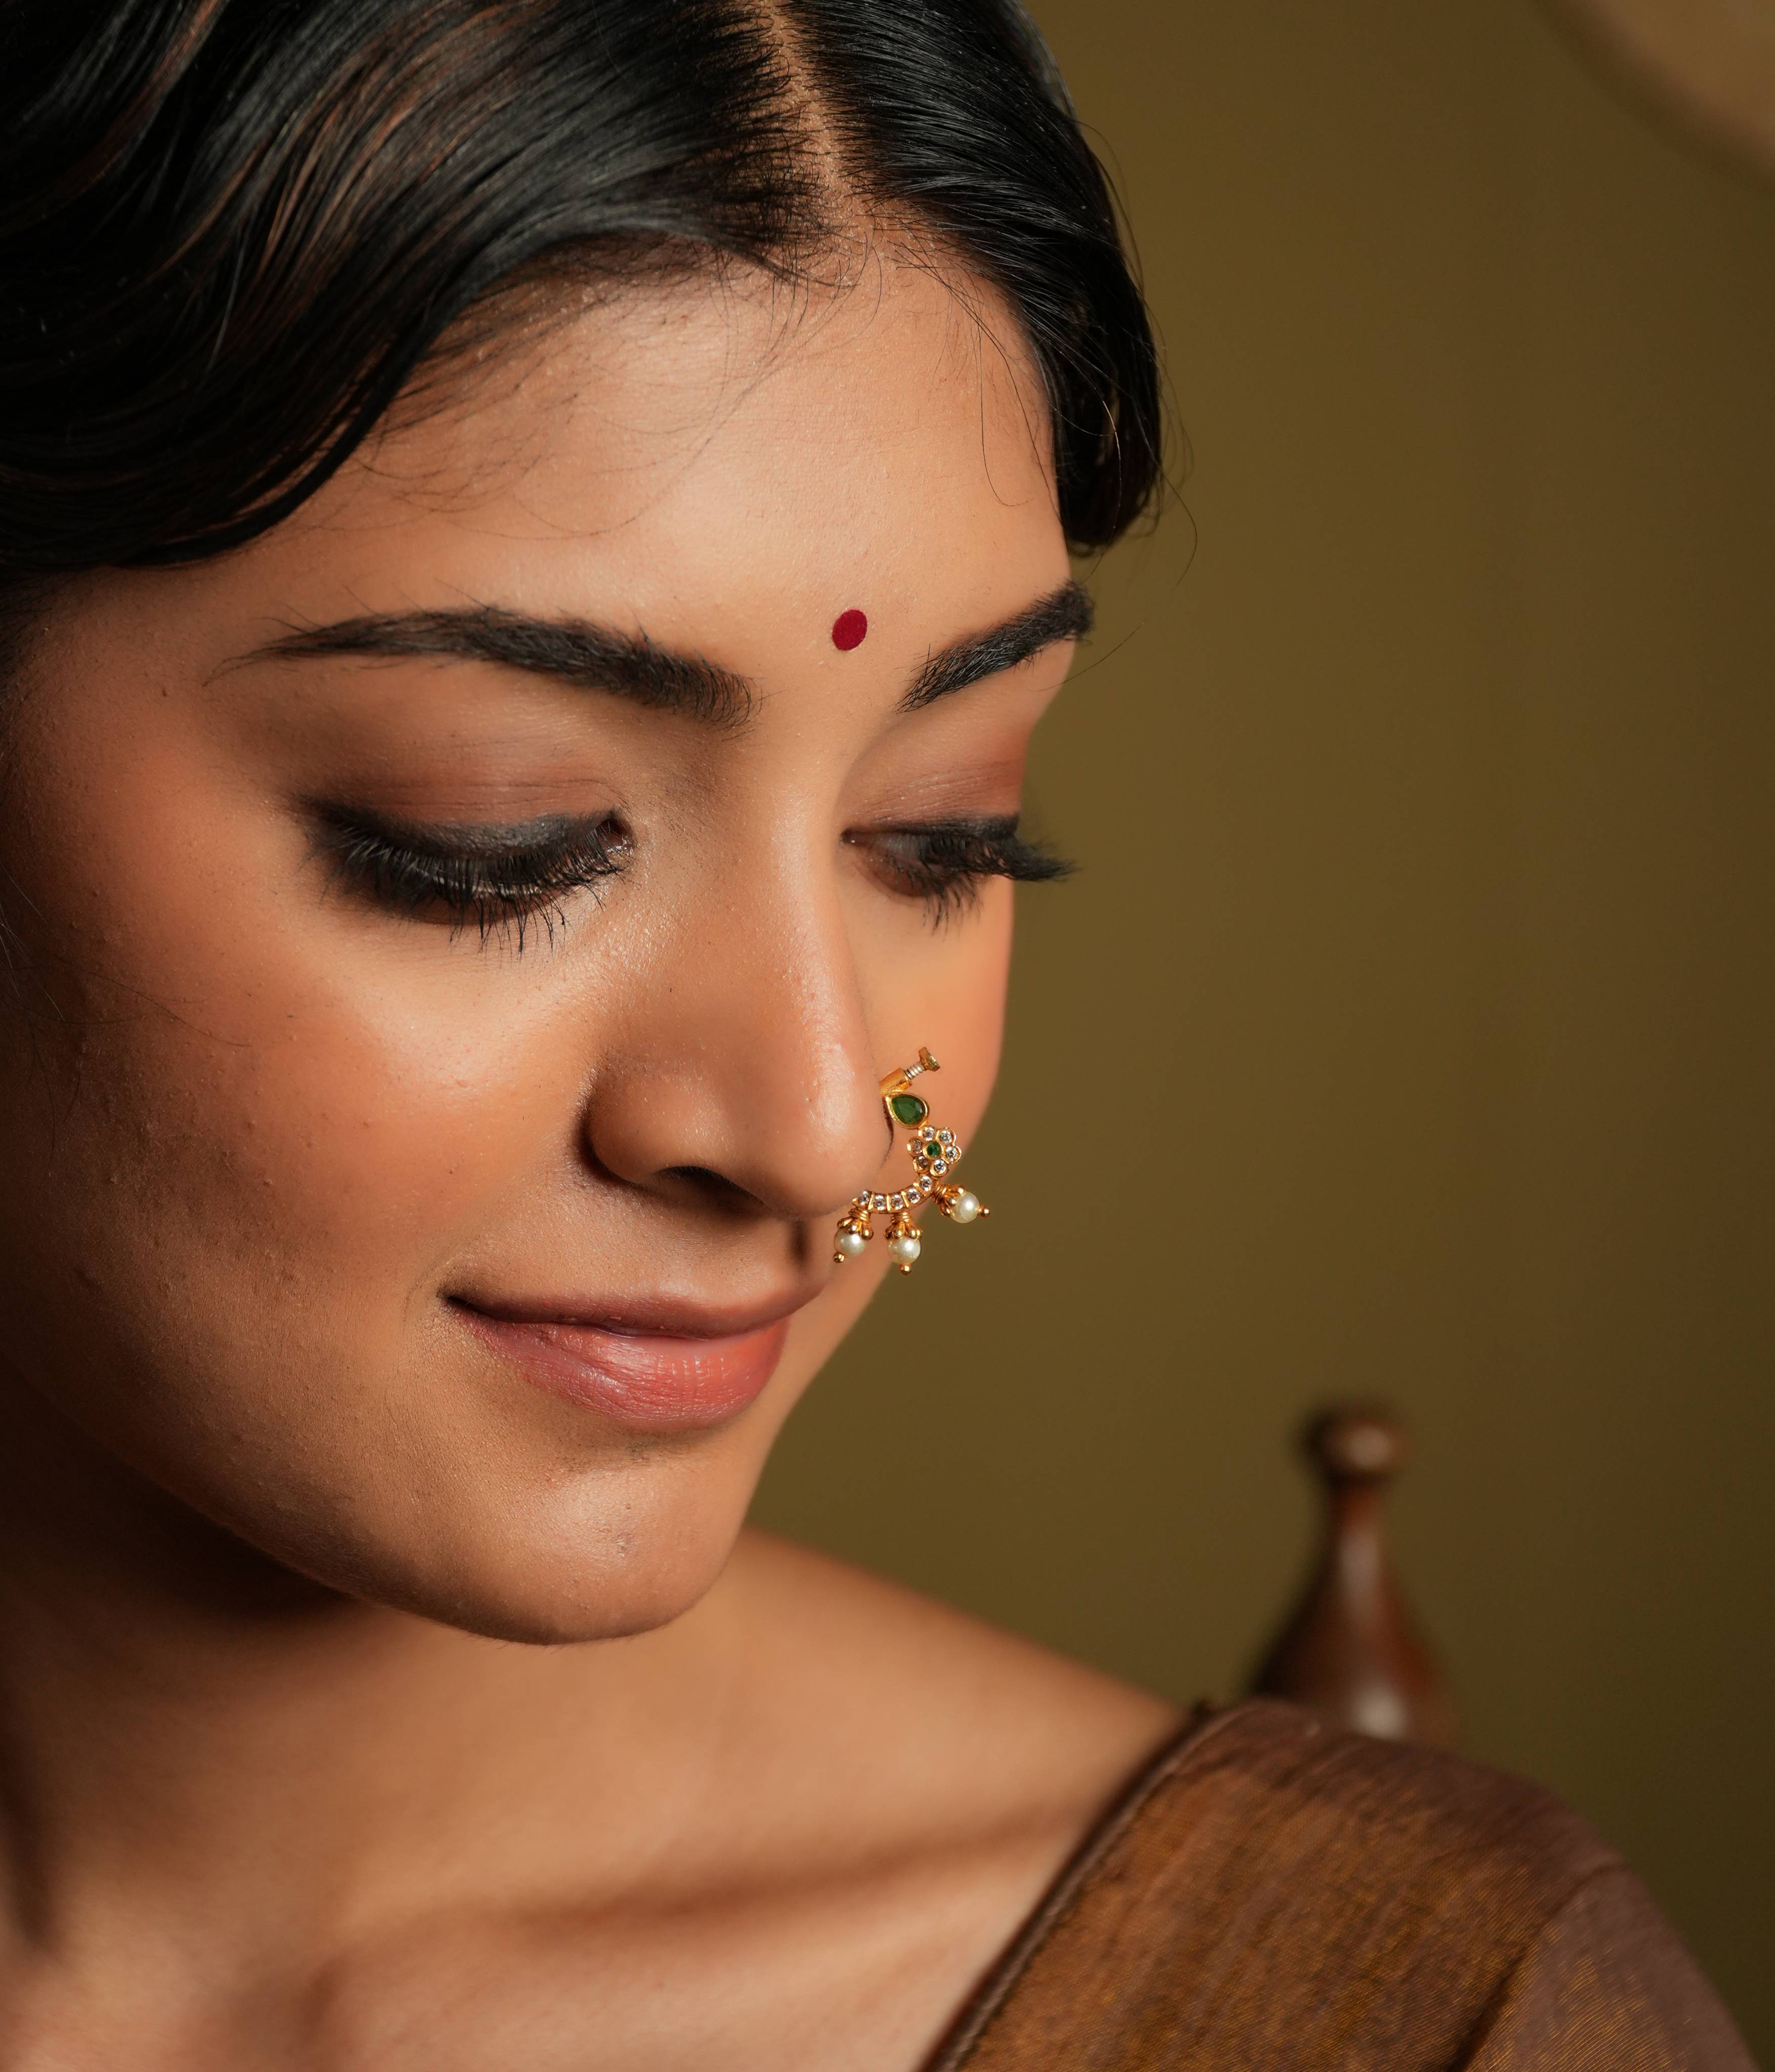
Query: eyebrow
[[1062, 614], [574, 650]]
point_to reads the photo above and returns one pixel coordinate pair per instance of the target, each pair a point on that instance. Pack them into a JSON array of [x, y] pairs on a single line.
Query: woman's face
[[469, 926]]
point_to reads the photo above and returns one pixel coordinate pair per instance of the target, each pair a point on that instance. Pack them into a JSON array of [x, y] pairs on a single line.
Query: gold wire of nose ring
[[936, 1153]]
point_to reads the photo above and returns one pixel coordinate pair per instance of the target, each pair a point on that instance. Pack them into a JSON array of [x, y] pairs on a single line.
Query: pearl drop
[[964, 1208], [904, 1250], [851, 1242]]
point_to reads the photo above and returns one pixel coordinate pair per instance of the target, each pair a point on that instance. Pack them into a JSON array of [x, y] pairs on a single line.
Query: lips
[[642, 1379]]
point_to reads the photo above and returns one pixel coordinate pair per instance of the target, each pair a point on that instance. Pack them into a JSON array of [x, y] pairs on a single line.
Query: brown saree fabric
[[1273, 1896]]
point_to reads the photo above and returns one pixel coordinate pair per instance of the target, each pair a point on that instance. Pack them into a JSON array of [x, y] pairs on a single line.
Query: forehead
[[743, 445]]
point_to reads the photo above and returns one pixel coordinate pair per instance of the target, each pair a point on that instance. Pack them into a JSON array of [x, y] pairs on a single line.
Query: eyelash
[[500, 880], [497, 879], [949, 860]]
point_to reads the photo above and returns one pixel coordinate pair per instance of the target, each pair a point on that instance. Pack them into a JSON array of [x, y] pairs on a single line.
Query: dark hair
[[231, 230]]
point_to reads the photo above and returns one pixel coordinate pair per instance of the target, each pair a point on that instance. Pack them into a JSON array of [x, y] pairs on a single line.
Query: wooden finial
[[1350, 1651]]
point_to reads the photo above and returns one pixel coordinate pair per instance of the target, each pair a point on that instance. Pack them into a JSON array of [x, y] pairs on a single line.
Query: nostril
[[706, 1180]]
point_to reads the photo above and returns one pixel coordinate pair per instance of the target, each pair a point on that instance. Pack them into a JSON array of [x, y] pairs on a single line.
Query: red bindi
[[849, 628]]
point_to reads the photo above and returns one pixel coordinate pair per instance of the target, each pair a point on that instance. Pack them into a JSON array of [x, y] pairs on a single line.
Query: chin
[[594, 1603], [553, 1574]]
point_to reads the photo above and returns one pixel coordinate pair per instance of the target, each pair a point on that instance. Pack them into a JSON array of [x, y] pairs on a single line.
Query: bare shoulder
[[938, 1720]]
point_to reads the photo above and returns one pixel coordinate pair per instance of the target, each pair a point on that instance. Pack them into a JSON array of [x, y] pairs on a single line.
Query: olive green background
[[1409, 1028]]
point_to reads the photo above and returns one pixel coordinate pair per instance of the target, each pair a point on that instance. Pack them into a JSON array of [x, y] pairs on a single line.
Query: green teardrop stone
[[908, 1108]]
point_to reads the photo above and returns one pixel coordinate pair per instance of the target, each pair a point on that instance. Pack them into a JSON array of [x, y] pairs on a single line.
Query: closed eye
[[943, 862], [497, 879]]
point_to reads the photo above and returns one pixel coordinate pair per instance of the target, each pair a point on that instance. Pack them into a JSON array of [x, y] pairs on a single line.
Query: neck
[[198, 1745]]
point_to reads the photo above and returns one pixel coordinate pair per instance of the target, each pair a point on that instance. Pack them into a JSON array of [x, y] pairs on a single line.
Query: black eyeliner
[[497, 877], [945, 862]]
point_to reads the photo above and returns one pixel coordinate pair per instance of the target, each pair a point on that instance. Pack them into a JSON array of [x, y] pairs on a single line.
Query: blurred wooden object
[[1710, 63], [1350, 1651]]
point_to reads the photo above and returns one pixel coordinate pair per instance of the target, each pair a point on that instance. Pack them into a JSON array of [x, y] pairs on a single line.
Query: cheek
[[239, 1122], [951, 996], [980, 999]]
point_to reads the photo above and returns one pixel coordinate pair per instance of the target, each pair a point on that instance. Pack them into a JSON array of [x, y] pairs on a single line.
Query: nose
[[748, 1068]]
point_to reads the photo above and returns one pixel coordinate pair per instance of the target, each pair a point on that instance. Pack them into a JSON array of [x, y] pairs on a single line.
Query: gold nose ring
[[936, 1153]]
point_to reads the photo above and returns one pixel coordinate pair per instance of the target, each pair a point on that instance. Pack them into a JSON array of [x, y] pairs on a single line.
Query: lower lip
[[644, 1381]]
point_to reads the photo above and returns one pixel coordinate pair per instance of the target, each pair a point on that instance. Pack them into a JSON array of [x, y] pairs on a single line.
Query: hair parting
[[233, 231]]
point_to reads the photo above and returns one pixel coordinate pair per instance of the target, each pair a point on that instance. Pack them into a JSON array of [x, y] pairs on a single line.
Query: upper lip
[[646, 1316]]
